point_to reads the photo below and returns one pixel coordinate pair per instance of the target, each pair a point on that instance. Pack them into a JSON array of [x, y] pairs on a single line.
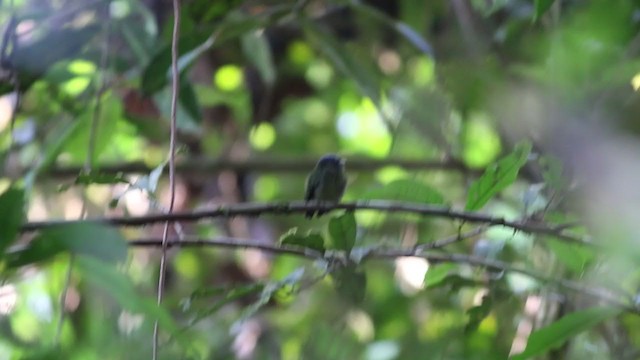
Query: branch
[[226, 242], [297, 207], [602, 294], [265, 165]]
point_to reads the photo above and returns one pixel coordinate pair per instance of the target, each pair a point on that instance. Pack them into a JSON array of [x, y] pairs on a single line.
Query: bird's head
[[331, 160]]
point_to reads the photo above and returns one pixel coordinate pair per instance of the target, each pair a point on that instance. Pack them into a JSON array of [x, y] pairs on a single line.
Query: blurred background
[[420, 97]]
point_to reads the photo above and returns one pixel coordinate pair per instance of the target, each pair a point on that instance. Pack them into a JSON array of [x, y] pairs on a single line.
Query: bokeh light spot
[[187, 265], [76, 85], [635, 82], [481, 141], [228, 78], [423, 70], [262, 136], [319, 74], [299, 53], [82, 67], [266, 188]]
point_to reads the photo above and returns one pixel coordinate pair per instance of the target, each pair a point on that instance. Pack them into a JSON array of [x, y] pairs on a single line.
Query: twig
[[226, 242], [438, 244], [602, 294], [297, 207], [175, 81]]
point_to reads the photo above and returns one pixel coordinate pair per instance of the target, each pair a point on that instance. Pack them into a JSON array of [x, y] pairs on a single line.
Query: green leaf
[[453, 281], [289, 284], [364, 76], [12, 216], [437, 274], [228, 295], [343, 231], [118, 285], [106, 128], [350, 283], [541, 7], [156, 73], [85, 238], [311, 240], [256, 48], [555, 334], [189, 101], [575, 257], [54, 145], [96, 177], [406, 190], [190, 46], [497, 177], [477, 314]]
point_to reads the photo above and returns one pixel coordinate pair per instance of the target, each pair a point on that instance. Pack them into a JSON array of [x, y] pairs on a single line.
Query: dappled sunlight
[[410, 273], [320, 179]]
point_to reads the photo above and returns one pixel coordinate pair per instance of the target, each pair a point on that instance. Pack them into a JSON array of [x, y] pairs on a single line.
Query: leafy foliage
[[554, 335], [407, 190], [264, 90], [497, 177], [343, 231]]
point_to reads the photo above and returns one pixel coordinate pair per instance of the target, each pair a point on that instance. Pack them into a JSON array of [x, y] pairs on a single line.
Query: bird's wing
[[310, 191]]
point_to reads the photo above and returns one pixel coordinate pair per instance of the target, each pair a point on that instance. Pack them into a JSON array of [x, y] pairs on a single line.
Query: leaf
[[97, 177], [189, 101], [118, 285], [575, 257], [91, 239], [437, 274], [400, 27], [364, 76], [272, 289], [555, 334], [54, 144], [12, 215], [406, 190], [192, 45], [343, 231], [454, 282], [256, 48], [106, 128], [229, 295], [477, 314], [311, 240], [156, 74], [497, 177], [350, 283], [541, 7]]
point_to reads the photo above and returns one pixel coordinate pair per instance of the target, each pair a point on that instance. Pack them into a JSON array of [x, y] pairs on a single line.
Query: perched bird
[[326, 183]]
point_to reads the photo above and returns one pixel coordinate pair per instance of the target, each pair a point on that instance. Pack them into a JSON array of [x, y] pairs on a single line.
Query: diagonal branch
[[298, 207]]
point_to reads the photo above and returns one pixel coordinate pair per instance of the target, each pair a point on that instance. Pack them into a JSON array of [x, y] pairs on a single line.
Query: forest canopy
[[315, 179]]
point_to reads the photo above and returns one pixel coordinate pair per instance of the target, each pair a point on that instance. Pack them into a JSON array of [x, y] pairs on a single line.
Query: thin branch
[[262, 165], [298, 207], [226, 242], [438, 244], [175, 81], [602, 294]]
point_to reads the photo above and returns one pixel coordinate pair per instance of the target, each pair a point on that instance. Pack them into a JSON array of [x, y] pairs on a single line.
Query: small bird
[[326, 183]]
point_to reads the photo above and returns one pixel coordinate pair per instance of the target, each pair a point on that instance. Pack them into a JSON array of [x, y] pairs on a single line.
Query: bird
[[326, 182]]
